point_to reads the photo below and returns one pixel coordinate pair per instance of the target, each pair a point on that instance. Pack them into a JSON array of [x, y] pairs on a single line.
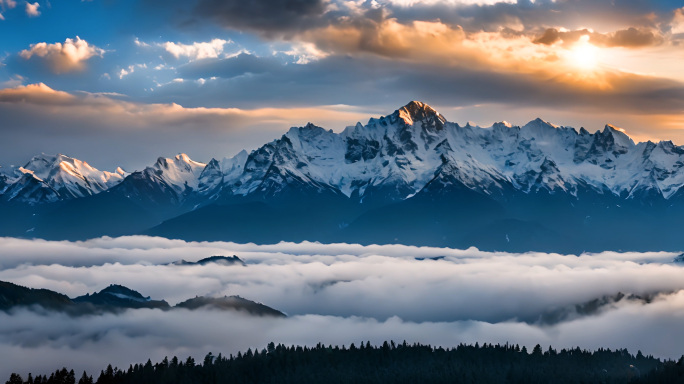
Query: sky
[[119, 83], [370, 293]]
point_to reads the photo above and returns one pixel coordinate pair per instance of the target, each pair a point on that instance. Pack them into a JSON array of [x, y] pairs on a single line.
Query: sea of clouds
[[334, 294]]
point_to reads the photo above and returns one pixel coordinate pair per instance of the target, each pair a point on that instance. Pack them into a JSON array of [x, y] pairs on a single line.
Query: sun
[[584, 55]]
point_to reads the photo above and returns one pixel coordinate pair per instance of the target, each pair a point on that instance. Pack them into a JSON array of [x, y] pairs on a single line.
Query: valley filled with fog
[[334, 294]]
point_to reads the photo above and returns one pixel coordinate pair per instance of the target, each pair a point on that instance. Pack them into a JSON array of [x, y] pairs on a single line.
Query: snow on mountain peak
[[399, 153], [60, 177], [619, 135], [179, 171], [392, 157], [502, 124], [416, 111], [181, 160]]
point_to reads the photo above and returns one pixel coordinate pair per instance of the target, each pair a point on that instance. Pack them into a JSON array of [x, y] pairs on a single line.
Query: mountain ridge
[[116, 298], [404, 160], [244, 172]]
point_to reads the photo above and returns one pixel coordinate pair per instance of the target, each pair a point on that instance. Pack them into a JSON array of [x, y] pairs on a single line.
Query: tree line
[[389, 363]]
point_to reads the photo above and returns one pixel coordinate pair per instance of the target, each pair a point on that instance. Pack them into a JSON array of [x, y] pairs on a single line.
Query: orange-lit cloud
[[135, 116], [629, 38], [430, 42], [37, 118], [39, 94], [677, 24], [63, 57], [551, 56]]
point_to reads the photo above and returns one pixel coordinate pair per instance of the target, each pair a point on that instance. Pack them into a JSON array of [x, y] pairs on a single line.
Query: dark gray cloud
[[267, 16], [633, 37], [571, 14], [288, 16], [628, 38]]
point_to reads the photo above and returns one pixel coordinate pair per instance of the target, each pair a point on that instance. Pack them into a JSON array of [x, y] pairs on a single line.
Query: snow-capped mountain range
[[47, 179], [412, 152]]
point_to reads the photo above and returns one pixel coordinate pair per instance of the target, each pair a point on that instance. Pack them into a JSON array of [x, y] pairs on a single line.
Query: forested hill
[[390, 363]]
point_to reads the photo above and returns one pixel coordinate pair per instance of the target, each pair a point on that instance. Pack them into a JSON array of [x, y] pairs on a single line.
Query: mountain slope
[[410, 176], [47, 178], [120, 297], [117, 298]]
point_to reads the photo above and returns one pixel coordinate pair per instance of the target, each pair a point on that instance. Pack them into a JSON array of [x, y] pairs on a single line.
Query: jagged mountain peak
[[537, 125], [180, 160], [172, 178], [214, 163], [619, 135], [611, 127], [393, 156], [541, 121], [45, 166], [308, 132], [416, 111], [612, 139], [48, 178], [502, 125]]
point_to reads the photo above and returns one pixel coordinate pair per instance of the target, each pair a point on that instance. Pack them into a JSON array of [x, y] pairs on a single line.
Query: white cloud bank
[[371, 293]]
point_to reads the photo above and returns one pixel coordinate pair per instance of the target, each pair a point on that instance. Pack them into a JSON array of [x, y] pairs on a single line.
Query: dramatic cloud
[[267, 16], [108, 131], [494, 60], [629, 38], [196, 51], [287, 18], [419, 294], [63, 57], [32, 9], [601, 15]]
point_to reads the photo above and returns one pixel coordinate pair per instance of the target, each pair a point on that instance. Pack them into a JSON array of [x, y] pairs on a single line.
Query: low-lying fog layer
[[337, 293]]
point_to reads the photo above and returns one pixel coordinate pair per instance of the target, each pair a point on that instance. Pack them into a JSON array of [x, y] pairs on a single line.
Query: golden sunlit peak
[[583, 54], [616, 128]]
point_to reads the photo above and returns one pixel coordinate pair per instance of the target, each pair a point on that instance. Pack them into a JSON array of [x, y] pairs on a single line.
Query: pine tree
[[15, 378], [85, 379]]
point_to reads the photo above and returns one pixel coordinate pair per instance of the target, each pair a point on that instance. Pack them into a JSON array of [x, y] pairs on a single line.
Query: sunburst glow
[[584, 55]]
